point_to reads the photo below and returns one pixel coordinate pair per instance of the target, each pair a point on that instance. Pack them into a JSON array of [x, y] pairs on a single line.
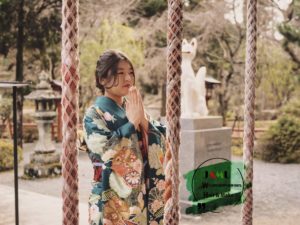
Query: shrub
[[281, 143], [292, 109], [151, 7], [7, 155]]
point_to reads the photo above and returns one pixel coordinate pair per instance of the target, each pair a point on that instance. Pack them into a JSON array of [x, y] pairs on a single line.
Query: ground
[[276, 197]]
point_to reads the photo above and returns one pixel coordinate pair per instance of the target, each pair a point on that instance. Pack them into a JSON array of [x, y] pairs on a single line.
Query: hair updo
[[107, 66]]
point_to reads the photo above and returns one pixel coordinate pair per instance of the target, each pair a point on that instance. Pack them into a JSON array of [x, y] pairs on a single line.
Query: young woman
[[126, 148]]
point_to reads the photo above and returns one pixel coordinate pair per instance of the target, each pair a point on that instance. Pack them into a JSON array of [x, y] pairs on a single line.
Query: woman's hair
[[107, 66]]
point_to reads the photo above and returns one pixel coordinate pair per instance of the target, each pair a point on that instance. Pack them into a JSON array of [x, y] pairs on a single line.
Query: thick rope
[[250, 71], [172, 215], [70, 79]]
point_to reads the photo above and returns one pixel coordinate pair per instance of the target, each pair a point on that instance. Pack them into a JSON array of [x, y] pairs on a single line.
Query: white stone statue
[[193, 100]]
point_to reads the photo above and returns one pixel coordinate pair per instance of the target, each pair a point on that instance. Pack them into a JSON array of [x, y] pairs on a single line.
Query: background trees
[[41, 28], [291, 33], [139, 29], [30, 29], [109, 35]]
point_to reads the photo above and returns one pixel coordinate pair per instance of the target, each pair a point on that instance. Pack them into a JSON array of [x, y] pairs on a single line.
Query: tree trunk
[[222, 107], [19, 70]]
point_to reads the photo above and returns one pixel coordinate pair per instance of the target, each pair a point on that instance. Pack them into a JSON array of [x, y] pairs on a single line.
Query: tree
[[41, 27], [291, 32], [109, 35], [38, 21], [275, 80], [7, 26]]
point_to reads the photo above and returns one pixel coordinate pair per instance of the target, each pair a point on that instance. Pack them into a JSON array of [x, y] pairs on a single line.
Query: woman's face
[[124, 79]]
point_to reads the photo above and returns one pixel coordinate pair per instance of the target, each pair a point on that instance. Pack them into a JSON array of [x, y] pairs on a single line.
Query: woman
[[126, 149]]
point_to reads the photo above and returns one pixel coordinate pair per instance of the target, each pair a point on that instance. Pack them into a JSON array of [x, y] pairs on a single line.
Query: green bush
[[292, 109], [149, 8], [281, 143], [7, 155]]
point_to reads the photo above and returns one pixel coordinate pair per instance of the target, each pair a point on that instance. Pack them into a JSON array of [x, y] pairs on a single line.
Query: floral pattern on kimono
[[128, 186]]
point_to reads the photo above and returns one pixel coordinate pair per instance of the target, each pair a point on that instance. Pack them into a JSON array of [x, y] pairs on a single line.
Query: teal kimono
[[129, 181]]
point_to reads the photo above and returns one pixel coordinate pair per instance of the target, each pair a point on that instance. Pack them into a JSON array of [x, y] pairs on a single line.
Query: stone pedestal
[[202, 139]]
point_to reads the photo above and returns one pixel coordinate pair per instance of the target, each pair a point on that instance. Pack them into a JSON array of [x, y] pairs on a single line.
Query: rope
[[70, 79], [171, 214], [249, 111]]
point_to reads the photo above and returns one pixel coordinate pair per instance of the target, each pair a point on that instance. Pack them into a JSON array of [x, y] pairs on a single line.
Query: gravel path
[[276, 193]]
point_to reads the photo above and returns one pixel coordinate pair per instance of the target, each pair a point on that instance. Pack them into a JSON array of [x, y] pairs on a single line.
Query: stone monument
[[203, 137], [45, 161]]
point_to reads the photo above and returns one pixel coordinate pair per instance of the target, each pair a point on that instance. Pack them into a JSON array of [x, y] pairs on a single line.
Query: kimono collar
[[107, 104]]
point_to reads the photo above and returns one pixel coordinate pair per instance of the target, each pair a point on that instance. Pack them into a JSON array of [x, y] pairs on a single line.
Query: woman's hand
[[134, 107]]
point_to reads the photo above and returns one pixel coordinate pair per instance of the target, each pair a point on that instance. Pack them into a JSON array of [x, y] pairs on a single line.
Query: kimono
[[129, 181]]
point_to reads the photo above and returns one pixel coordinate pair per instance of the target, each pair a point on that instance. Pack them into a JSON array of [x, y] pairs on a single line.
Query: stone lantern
[[45, 161]]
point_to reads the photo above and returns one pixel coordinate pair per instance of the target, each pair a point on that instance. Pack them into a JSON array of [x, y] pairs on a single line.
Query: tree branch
[[47, 5], [292, 54]]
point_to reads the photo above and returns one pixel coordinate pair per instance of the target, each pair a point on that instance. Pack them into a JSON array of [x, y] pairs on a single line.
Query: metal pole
[[16, 155]]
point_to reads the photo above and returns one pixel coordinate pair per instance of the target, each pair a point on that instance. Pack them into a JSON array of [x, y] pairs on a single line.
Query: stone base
[[43, 165], [203, 142]]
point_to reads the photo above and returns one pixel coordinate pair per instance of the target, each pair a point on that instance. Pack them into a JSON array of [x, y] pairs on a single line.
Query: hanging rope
[[70, 79], [249, 111], [171, 216]]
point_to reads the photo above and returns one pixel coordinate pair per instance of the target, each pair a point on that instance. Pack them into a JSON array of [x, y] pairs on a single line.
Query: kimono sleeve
[[156, 125], [97, 135]]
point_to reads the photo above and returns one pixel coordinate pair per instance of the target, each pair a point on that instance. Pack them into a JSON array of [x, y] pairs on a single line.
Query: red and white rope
[[250, 73], [172, 214], [70, 80]]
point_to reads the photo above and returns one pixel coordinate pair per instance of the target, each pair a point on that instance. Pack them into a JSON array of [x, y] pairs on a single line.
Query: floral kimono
[[129, 180]]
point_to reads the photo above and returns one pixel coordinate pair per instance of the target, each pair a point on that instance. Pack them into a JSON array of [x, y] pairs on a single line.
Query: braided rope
[[70, 79], [171, 215], [249, 111]]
